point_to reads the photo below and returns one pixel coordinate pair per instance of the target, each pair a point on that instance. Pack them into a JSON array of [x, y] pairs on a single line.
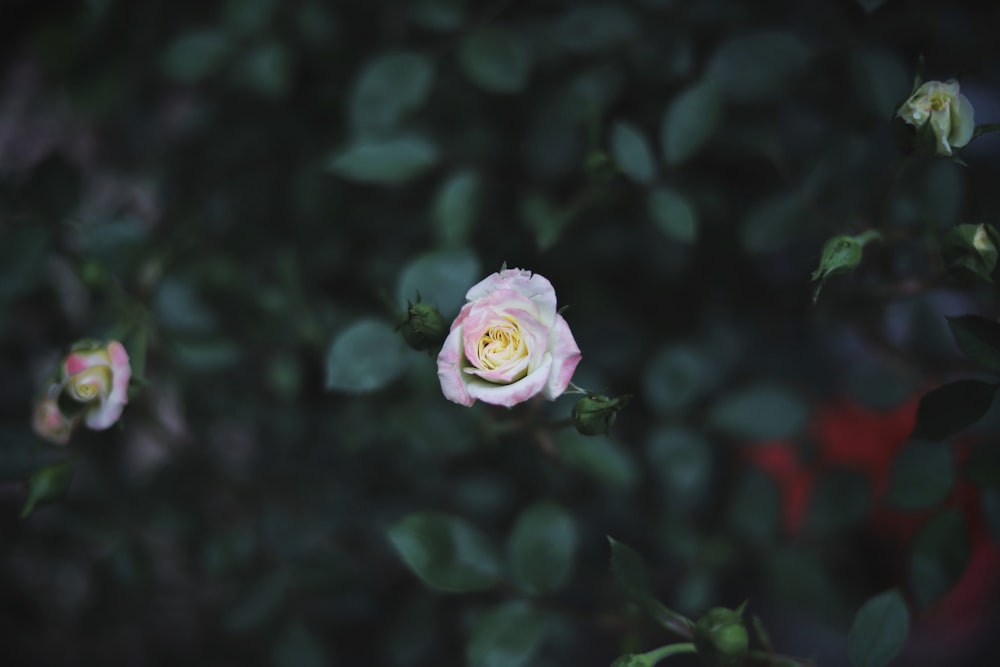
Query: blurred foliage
[[248, 193]]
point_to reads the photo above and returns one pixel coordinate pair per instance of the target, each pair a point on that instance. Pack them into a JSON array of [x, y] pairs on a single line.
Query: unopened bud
[[840, 254], [594, 414], [423, 328], [720, 637], [971, 250]]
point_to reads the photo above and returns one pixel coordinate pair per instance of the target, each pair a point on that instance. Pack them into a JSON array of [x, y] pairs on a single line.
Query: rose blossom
[[99, 377], [949, 113], [94, 377], [508, 343]]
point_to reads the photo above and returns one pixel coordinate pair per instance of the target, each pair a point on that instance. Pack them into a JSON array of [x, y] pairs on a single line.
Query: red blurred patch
[[849, 435], [854, 436]]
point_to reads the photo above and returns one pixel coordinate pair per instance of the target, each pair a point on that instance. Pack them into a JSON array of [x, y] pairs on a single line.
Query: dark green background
[[186, 169]]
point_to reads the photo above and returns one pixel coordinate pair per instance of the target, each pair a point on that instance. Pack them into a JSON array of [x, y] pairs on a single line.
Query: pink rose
[[95, 378], [508, 343], [99, 377]]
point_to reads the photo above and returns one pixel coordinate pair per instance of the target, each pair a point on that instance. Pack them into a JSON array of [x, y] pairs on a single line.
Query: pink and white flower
[[508, 343], [99, 377], [94, 378]]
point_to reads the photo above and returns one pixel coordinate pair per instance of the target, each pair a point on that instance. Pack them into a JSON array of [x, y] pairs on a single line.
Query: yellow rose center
[[90, 384], [500, 345], [87, 390], [938, 101]]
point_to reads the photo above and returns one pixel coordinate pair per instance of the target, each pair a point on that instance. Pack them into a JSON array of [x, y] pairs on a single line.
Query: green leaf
[[772, 223], [677, 376], [390, 87], [455, 207], [48, 484], [881, 80], [923, 474], [681, 459], [496, 59], [591, 27], [690, 120], [950, 408], [442, 279], [365, 357], [630, 572], [879, 386], [390, 162], [978, 338], [673, 214], [180, 307], [196, 55], [446, 552], [541, 548], [266, 69], [546, 220], [758, 67], [440, 15], [938, 556], [759, 412], [632, 153], [755, 509], [245, 17], [840, 502], [879, 630], [205, 355], [506, 636], [598, 457]]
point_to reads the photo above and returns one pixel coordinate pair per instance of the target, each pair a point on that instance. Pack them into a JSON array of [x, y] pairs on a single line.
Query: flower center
[[500, 345], [938, 101], [90, 384]]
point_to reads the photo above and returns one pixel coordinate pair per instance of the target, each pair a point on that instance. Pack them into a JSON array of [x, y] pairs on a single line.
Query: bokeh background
[[236, 188]]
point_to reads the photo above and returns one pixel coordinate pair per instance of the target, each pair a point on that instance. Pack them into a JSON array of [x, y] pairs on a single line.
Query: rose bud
[[971, 251], [595, 414], [98, 377], [49, 422], [840, 254], [423, 328], [720, 637], [936, 120]]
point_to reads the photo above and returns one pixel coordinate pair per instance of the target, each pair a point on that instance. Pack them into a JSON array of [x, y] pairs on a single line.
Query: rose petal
[[121, 372], [509, 395], [963, 122], [450, 375], [504, 374], [565, 357], [533, 286], [81, 360]]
